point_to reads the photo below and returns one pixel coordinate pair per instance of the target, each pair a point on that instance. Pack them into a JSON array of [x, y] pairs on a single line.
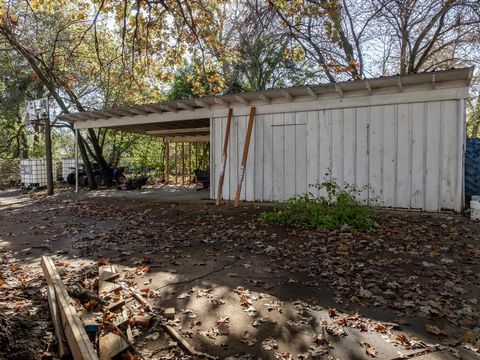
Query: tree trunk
[[50, 85], [86, 162]]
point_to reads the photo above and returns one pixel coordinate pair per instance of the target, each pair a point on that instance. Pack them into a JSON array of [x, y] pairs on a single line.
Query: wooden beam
[[224, 157], [202, 104], [338, 90], [399, 84], [369, 87], [169, 108], [185, 106], [183, 163], [57, 322], [153, 109], [178, 131], [264, 98], [179, 339], [109, 113], [80, 345], [221, 101], [124, 112], [312, 93], [167, 165], [110, 345], [189, 162], [287, 95], [187, 138], [245, 155], [176, 163], [138, 110], [241, 99]]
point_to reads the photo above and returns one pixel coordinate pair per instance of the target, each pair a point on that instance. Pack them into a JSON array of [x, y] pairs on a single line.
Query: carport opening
[[182, 159]]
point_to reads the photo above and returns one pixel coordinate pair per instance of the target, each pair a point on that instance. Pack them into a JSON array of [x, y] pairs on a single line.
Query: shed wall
[[409, 155]]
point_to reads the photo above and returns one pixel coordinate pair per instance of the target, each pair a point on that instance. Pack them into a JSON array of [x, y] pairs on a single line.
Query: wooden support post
[[224, 157], [183, 163], [176, 163], [78, 341], [241, 173], [57, 322], [189, 162], [167, 165], [196, 155]]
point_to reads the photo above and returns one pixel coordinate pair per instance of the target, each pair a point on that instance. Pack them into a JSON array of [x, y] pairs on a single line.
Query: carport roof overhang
[[190, 119]]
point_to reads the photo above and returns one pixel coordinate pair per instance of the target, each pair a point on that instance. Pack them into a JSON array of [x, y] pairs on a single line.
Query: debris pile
[[111, 323]]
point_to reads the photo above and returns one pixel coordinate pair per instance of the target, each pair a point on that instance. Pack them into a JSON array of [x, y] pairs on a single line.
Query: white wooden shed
[[404, 136]]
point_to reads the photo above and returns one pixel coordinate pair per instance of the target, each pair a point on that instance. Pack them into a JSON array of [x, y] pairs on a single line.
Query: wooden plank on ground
[[57, 322], [179, 339], [107, 274], [224, 157], [89, 322], [116, 306], [80, 346], [110, 345], [241, 173]]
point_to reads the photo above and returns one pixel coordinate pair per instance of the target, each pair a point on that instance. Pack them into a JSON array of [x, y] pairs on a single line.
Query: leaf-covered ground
[[246, 289]]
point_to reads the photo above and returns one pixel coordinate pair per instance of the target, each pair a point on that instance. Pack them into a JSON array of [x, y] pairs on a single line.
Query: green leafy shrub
[[338, 208]]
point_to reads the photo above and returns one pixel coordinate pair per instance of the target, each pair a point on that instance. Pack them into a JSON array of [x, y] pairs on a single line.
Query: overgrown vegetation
[[332, 206]]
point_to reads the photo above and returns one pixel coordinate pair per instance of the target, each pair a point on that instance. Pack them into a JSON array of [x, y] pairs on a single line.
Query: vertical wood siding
[[409, 155]]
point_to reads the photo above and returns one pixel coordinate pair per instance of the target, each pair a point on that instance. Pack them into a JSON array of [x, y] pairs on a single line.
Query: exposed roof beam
[[369, 87], [312, 93], [73, 117], [185, 106], [123, 112], [338, 90], [168, 108], [109, 113], [193, 138], [202, 103], [139, 110], [265, 98], [95, 115], [287, 95], [400, 84], [433, 81], [221, 101], [241, 99], [178, 131], [153, 109]]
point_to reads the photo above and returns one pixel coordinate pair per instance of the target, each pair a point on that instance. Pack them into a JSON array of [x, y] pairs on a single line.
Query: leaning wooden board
[[78, 341]]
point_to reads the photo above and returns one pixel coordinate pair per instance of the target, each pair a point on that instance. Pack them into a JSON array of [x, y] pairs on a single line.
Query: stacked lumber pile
[[105, 334]]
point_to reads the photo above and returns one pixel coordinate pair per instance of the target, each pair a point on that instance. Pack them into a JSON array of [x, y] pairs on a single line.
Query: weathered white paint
[[410, 154]]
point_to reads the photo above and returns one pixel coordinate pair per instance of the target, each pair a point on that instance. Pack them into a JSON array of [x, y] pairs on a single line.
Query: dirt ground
[[243, 289]]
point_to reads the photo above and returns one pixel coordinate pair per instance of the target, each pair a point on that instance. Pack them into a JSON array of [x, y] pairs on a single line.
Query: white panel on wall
[[249, 181], [267, 179], [450, 155], [375, 162], [389, 154], [349, 146], [417, 181], [337, 145], [403, 171], [361, 153], [312, 147], [408, 155], [258, 137], [433, 151], [278, 150], [300, 153], [325, 158]]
